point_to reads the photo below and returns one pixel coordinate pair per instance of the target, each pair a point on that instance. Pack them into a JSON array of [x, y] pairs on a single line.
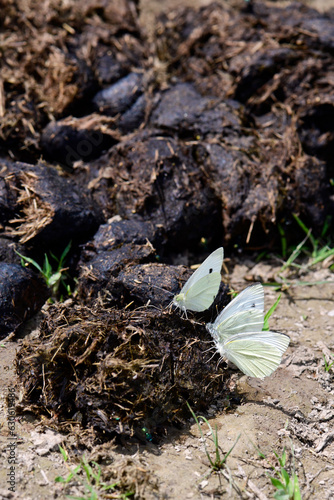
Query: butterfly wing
[[256, 354], [203, 292], [239, 322], [212, 264], [200, 290], [243, 314], [250, 298]]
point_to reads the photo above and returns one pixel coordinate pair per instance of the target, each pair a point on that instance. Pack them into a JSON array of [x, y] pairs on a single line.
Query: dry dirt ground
[[294, 408]]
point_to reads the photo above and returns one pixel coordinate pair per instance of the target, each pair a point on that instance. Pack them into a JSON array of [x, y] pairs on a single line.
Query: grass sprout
[[314, 248], [218, 462], [283, 477], [286, 284], [328, 365], [269, 313], [89, 477], [287, 485], [54, 276], [283, 241]]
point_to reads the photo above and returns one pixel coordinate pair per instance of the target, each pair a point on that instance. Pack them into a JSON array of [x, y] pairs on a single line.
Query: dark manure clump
[[117, 371], [137, 153]]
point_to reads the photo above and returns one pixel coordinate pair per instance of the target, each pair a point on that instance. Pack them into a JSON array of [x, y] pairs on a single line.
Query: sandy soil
[[294, 408]]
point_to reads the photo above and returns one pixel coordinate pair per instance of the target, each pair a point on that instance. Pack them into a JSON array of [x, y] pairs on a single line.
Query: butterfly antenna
[[152, 306], [163, 289]]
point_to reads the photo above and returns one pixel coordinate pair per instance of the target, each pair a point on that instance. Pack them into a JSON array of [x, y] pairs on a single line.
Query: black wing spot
[[253, 305], [210, 270]]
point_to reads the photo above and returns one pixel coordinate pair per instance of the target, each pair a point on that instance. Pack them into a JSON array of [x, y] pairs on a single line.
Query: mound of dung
[[117, 371], [22, 293], [56, 57], [241, 100], [210, 135]]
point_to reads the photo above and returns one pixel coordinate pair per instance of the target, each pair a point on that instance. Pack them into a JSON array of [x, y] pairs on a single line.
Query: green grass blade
[[277, 483], [326, 226], [54, 257], [64, 254], [282, 460], [296, 493], [281, 495], [30, 261], [258, 451], [283, 240], [295, 253], [327, 252], [201, 433], [231, 449], [47, 268], [285, 477], [54, 278], [269, 313], [64, 453], [306, 230]]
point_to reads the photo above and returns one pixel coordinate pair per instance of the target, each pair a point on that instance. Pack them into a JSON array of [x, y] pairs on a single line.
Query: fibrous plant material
[[36, 214], [54, 56], [48, 209], [117, 371]]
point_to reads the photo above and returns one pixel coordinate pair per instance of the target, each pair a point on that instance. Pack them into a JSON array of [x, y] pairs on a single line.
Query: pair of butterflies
[[237, 331]]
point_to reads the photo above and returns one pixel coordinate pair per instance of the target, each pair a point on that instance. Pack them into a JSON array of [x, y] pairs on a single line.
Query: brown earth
[[294, 408]]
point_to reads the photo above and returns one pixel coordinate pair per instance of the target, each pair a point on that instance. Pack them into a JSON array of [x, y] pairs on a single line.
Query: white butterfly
[[238, 336], [202, 287], [243, 314]]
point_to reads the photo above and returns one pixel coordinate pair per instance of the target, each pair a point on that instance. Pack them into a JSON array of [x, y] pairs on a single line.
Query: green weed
[[219, 460], [328, 365], [233, 293], [54, 277], [286, 284], [283, 240], [269, 313], [314, 248], [261, 256], [287, 485], [258, 451], [89, 477]]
